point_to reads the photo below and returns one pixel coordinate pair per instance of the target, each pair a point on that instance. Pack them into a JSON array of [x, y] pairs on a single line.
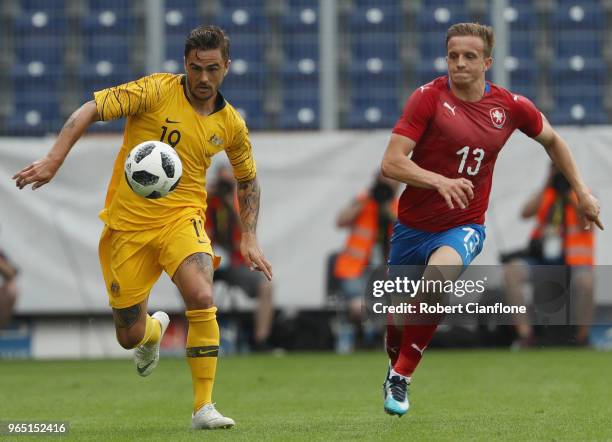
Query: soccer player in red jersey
[[455, 126]]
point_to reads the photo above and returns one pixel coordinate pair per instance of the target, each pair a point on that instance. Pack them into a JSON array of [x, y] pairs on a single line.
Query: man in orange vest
[[370, 218], [557, 239]]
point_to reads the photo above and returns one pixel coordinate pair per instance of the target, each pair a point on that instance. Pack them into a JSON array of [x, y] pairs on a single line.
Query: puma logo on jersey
[[215, 140], [450, 108]]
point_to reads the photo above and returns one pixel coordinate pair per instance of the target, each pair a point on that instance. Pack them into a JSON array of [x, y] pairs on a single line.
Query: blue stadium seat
[[248, 77], [432, 44], [36, 77], [376, 3], [92, 81], [303, 19], [429, 69], [570, 43], [375, 19], [301, 46], [586, 108], [241, 19], [298, 4], [380, 111], [521, 17], [43, 5], [40, 23], [439, 18], [454, 4], [180, 18], [300, 71], [523, 74], [99, 5], [577, 73], [250, 108], [300, 113], [36, 113], [522, 46], [113, 49], [47, 49], [579, 16], [251, 4], [108, 19], [375, 74], [247, 47], [381, 45]]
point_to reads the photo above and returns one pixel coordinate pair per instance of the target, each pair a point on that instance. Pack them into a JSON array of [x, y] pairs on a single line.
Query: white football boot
[[208, 418], [146, 356]]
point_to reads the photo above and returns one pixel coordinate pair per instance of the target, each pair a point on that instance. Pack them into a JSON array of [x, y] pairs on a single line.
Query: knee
[[199, 299], [128, 340]]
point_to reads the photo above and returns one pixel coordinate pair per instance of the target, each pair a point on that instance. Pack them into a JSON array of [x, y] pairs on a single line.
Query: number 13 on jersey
[[477, 154]]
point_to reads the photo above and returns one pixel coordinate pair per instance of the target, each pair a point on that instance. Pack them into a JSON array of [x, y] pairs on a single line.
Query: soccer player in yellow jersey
[[142, 236]]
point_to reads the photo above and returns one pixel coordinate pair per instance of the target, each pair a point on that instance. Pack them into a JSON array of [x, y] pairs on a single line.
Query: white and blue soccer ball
[[153, 169]]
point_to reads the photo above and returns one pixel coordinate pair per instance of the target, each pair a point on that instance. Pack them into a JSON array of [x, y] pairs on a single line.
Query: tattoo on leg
[[126, 317], [203, 261]]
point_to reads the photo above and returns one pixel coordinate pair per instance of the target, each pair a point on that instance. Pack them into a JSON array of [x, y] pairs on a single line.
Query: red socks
[[415, 339]]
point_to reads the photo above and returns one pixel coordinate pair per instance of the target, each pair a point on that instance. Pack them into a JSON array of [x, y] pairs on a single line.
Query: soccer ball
[[153, 169]]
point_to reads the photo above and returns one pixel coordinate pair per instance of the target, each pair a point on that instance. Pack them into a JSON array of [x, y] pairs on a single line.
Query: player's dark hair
[[474, 30], [206, 38]]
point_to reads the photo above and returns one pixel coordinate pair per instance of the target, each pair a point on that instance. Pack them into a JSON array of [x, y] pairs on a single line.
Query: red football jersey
[[457, 138]]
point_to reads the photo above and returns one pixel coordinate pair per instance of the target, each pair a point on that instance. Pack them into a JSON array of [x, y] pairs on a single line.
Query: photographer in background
[[369, 218], [559, 238], [223, 228], [8, 289]]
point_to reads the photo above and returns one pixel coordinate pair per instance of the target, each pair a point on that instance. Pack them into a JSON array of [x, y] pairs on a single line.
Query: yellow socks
[[202, 351], [152, 332]]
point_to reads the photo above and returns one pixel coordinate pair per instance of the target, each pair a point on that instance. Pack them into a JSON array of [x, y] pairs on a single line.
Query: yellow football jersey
[[157, 109]]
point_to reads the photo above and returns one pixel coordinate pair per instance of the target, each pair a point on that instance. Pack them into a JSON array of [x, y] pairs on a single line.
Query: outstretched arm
[[560, 154], [40, 172], [248, 200]]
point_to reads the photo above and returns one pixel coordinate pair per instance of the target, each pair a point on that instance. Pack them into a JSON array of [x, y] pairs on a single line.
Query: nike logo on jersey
[[450, 108], [171, 122]]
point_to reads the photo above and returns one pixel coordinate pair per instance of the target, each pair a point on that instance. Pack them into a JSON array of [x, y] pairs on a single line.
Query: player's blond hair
[[475, 30]]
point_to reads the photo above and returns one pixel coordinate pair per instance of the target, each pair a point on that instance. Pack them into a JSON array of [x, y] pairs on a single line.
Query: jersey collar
[[486, 91]]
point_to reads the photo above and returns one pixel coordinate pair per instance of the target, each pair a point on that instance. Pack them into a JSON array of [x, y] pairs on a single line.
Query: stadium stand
[[56, 52]]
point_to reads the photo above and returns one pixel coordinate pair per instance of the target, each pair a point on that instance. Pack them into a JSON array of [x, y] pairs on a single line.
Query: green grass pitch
[[456, 395]]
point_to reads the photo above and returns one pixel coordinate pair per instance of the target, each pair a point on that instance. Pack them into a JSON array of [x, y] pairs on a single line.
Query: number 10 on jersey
[[477, 154]]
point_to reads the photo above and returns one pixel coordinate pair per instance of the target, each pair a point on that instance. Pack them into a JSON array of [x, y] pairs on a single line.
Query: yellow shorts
[[132, 261]]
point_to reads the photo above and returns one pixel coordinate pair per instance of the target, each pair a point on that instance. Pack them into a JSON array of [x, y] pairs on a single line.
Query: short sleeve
[[418, 111], [133, 98], [240, 152], [528, 117]]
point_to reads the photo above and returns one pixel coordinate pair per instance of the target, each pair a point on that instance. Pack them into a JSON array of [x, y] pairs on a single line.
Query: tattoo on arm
[[70, 123], [126, 317], [203, 261], [248, 199]]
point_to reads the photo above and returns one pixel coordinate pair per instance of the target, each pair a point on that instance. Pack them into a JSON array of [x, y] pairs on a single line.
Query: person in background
[[223, 227], [557, 239], [369, 218], [8, 289]]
